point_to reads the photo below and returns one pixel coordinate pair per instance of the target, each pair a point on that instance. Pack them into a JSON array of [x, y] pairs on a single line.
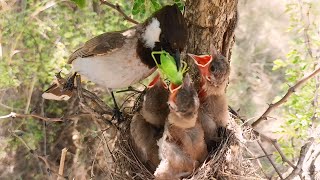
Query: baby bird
[[213, 113], [147, 125], [182, 147]]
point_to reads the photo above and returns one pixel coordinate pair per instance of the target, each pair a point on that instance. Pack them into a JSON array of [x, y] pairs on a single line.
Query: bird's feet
[[117, 116], [69, 85]]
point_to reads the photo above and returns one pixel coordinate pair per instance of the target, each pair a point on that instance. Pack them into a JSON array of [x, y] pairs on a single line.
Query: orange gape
[[203, 63], [213, 113], [182, 147]]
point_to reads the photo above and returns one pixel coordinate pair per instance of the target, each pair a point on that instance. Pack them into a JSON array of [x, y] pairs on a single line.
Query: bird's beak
[[177, 59], [157, 80], [203, 63], [173, 93]]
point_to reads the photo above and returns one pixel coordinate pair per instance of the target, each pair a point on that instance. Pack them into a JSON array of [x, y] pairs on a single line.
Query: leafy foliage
[[302, 108], [80, 3]]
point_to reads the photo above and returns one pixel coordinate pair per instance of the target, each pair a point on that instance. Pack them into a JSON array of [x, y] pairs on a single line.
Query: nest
[[226, 161]]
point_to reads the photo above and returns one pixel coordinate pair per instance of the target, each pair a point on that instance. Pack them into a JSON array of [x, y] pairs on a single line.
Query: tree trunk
[[211, 21]]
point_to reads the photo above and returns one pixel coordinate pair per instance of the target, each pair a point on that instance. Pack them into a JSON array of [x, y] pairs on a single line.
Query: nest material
[[224, 162]]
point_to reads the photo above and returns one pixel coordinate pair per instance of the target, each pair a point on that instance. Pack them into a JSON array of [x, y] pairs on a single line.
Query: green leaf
[[180, 4], [155, 4], [138, 7], [80, 3], [278, 63]]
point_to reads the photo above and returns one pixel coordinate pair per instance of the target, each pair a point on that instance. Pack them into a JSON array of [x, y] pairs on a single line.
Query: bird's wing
[[98, 45]]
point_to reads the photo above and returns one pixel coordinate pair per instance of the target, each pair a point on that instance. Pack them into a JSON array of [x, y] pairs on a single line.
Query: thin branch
[[309, 165], [83, 104], [258, 162], [290, 91], [258, 157], [97, 100], [298, 169], [34, 80], [16, 115], [274, 142], [271, 161], [38, 157], [119, 9]]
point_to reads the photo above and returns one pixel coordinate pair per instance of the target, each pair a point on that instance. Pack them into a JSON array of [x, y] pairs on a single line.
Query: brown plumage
[[214, 106], [147, 125], [99, 45], [173, 37], [182, 146], [56, 91]]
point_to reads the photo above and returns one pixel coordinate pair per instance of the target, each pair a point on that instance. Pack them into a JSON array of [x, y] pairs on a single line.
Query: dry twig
[[119, 9], [274, 142], [42, 158], [16, 115], [290, 91], [83, 94], [62, 160], [298, 169], [270, 160]]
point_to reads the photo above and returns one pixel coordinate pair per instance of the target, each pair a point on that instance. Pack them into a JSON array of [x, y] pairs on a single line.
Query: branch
[[38, 157], [119, 9], [82, 93], [258, 157], [290, 91], [298, 169], [16, 115], [274, 142], [311, 165], [62, 160], [271, 161]]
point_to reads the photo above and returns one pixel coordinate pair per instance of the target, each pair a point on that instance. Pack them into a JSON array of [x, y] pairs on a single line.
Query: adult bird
[[122, 58]]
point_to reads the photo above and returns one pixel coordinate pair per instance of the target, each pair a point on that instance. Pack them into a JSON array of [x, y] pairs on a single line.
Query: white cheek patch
[[152, 33]]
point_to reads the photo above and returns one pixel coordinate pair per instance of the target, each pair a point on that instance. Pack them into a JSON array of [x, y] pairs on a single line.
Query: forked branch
[[17, 115], [290, 91], [119, 9]]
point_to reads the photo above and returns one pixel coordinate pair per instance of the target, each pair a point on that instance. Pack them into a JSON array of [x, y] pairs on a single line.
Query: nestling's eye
[[212, 68]]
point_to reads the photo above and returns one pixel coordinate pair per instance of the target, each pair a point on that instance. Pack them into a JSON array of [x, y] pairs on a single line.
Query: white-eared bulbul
[[120, 59]]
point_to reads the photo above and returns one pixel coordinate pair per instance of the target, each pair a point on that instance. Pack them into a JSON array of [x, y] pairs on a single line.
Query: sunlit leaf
[[80, 3]]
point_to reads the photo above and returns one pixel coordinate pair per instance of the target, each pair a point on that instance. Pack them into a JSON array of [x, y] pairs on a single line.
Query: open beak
[[203, 63], [156, 80], [173, 93], [177, 59]]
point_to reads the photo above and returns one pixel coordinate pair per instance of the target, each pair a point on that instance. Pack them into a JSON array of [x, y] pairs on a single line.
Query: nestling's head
[[184, 104], [155, 108], [215, 71]]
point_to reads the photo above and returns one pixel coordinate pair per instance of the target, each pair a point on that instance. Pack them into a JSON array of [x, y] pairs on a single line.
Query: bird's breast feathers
[[118, 69]]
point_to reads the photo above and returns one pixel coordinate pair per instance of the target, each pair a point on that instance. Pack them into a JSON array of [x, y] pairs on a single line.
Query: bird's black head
[[165, 30]]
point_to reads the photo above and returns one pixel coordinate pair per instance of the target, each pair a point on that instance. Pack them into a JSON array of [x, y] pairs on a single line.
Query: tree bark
[[211, 22]]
